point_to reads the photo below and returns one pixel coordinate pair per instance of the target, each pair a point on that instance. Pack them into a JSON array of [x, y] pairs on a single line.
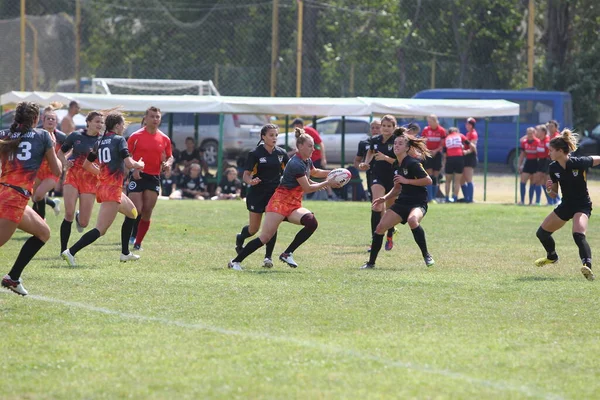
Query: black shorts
[[434, 163], [531, 166], [146, 182], [454, 165], [543, 164], [471, 160], [403, 209], [258, 198], [566, 212], [387, 182]]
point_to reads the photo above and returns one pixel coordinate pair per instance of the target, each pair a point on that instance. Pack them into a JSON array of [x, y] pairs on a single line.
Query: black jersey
[[363, 148], [189, 183], [572, 180], [166, 185], [230, 187], [184, 156], [110, 151], [266, 166], [81, 143], [411, 168], [383, 168]]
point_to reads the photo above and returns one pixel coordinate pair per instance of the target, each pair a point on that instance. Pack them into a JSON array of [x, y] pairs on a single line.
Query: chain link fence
[[350, 48]]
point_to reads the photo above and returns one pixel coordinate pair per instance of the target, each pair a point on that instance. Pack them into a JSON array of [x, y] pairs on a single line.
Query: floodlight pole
[[485, 160], [23, 45], [77, 46], [274, 46], [299, 49]]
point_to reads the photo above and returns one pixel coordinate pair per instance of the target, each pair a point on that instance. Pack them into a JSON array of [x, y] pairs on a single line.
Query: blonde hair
[[567, 141], [301, 136], [453, 130]]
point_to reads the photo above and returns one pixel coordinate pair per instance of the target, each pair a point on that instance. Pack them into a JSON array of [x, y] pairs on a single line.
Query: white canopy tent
[[351, 106]]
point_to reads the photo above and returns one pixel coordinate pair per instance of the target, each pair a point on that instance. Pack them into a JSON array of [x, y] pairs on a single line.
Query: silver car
[[330, 129], [239, 132]]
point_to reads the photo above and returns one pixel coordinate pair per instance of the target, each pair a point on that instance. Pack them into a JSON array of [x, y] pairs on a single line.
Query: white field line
[[499, 385]]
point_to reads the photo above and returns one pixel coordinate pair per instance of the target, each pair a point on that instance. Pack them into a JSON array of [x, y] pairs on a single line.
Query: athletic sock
[[465, 191], [585, 252], [538, 193], [531, 191], [28, 251], [40, 208], [126, 233], [87, 239], [143, 227], [271, 246], [523, 188], [375, 218], [50, 202], [434, 190], [300, 238], [245, 233], [248, 249], [65, 234], [375, 247], [547, 241], [419, 235], [390, 232], [134, 229], [471, 187]]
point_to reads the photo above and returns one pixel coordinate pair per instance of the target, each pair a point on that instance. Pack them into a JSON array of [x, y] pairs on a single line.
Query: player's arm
[[552, 187], [595, 160], [392, 194], [365, 165], [311, 187], [319, 173], [53, 162], [89, 164]]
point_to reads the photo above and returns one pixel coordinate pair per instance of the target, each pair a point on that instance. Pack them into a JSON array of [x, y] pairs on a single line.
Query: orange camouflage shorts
[[105, 193], [82, 180], [45, 173], [285, 201], [12, 204]]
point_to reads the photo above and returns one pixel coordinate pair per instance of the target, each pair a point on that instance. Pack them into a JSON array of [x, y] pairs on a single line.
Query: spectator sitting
[[190, 155], [191, 185], [230, 186], [168, 183]]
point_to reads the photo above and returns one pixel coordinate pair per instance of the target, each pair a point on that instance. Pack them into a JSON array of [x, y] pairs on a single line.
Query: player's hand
[[69, 164], [140, 165], [379, 200], [166, 167], [380, 156], [136, 174], [400, 179], [549, 184], [363, 166], [255, 181]]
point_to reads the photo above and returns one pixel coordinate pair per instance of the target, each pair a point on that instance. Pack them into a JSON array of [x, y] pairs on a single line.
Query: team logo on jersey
[[280, 158], [575, 172], [262, 160], [157, 189], [132, 185], [404, 171], [375, 146], [390, 147], [557, 174]]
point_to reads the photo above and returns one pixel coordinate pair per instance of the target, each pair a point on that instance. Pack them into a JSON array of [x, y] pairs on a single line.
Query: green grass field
[[482, 323]]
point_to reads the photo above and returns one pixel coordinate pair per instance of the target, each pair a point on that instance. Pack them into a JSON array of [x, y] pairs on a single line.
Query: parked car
[[589, 145], [79, 119], [330, 129], [240, 132]]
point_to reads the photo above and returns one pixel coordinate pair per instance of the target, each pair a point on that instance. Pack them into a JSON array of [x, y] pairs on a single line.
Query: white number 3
[[24, 153]]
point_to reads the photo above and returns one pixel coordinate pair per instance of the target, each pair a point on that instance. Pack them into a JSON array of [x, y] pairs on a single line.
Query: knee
[[69, 215], [543, 234], [380, 230], [44, 234], [134, 213], [413, 222], [310, 222], [37, 197]]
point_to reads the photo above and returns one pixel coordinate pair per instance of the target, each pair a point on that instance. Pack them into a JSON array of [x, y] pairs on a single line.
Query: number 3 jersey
[[110, 151], [20, 167]]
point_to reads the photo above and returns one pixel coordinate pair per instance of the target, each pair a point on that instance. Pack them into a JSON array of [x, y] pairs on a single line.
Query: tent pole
[[220, 152], [287, 127], [485, 160], [517, 159], [343, 140]]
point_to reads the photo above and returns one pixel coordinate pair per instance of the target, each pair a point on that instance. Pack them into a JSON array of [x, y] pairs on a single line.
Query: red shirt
[[542, 151], [317, 154], [530, 147], [453, 143], [434, 136], [153, 148], [471, 137]]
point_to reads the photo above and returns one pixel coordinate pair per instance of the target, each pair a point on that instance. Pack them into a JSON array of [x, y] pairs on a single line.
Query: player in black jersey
[[410, 195], [570, 173], [381, 149], [361, 153], [264, 167]]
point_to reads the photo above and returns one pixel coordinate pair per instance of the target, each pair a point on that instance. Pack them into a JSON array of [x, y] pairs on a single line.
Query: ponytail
[[567, 141], [26, 115]]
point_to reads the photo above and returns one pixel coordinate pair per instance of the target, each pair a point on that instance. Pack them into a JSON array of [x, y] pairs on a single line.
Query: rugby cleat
[[288, 259], [56, 207], [129, 257], [368, 265], [69, 258], [540, 262], [79, 227], [585, 270], [429, 261], [267, 263], [137, 247], [15, 286], [389, 243], [234, 265]]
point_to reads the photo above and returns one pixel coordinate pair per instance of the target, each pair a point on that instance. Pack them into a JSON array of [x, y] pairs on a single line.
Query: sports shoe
[[79, 227], [585, 270], [239, 243], [267, 263], [234, 265], [368, 265], [429, 261], [129, 257], [540, 262], [132, 240], [288, 259], [70, 259], [137, 247], [15, 286], [56, 207], [389, 243]]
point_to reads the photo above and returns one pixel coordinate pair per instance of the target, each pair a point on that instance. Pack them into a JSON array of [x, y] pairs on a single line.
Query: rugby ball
[[340, 175]]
